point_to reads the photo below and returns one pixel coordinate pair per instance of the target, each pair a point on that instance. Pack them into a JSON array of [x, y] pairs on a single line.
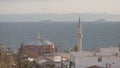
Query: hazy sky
[[59, 6]]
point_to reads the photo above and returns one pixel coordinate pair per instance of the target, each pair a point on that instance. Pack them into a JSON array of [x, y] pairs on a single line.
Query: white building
[[110, 50], [105, 58]]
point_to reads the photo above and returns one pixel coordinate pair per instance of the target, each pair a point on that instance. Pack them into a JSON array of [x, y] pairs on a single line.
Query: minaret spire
[[79, 36]]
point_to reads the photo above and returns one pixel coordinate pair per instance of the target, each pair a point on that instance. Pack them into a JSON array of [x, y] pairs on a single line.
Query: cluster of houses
[[105, 58]]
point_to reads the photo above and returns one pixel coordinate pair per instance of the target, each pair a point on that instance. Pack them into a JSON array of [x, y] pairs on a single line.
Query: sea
[[63, 34]]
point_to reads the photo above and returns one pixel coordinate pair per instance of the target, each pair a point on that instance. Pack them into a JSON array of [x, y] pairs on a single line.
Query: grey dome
[[39, 41]]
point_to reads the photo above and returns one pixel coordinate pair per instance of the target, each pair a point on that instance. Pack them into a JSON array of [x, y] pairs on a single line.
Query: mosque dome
[[39, 41]]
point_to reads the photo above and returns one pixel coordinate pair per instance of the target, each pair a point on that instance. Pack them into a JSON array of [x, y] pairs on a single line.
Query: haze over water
[[63, 34]]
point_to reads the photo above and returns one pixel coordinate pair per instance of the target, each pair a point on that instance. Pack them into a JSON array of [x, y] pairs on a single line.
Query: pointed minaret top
[[79, 23]]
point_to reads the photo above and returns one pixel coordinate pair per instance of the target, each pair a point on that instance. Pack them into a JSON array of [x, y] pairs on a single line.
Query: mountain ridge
[[58, 17]]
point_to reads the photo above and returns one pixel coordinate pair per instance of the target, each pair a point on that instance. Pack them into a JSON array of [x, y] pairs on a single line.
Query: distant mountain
[[58, 17], [46, 21], [101, 20]]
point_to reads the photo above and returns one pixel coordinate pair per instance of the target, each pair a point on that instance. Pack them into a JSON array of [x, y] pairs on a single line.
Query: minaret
[[79, 36]]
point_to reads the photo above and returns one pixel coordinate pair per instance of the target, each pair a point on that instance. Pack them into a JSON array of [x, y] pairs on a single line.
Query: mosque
[[38, 47]]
